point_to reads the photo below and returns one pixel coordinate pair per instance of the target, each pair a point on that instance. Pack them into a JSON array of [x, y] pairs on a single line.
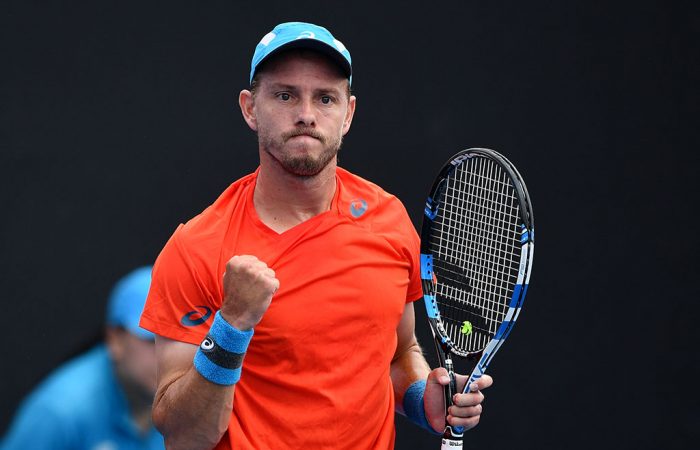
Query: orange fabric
[[316, 374]]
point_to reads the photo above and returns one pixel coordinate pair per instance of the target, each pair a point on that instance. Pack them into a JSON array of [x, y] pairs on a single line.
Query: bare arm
[[190, 411], [409, 366]]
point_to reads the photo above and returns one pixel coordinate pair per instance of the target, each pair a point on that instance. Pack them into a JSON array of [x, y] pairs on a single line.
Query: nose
[[306, 115]]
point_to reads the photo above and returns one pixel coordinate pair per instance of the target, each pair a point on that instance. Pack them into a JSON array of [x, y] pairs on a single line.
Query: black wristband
[[219, 355]]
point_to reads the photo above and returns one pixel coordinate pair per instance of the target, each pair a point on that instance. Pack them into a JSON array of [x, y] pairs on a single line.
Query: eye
[[284, 96], [326, 100]]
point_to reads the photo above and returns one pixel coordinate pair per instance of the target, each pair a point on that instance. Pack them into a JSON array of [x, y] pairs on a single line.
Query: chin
[[306, 167]]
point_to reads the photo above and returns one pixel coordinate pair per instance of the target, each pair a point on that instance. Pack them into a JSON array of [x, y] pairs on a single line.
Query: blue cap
[[302, 35], [127, 300]]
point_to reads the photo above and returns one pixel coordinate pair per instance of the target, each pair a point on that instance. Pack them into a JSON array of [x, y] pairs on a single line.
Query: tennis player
[[283, 312]]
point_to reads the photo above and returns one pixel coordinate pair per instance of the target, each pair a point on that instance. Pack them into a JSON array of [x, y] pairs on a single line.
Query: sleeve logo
[[196, 317]]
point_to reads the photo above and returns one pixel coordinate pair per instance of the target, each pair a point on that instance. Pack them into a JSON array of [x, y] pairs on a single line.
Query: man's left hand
[[466, 408]]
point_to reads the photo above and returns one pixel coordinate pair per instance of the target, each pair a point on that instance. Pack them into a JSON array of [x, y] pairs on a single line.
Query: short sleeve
[[396, 226], [415, 290], [183, 296]]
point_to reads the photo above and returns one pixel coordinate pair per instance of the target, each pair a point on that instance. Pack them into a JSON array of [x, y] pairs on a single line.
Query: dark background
[[119, 120]]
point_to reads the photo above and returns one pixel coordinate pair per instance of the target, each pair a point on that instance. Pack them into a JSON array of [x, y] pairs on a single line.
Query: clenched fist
[[248, 289]]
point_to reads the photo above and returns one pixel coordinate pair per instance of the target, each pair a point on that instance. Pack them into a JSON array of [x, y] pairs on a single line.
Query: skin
[[301, 111], [299, 93]]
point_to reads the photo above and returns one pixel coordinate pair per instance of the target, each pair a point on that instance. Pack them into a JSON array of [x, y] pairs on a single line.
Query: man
[[298, 282], [100, 400]]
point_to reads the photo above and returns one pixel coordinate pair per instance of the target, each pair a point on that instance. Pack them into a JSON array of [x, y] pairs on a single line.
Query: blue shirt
[[79, 406]]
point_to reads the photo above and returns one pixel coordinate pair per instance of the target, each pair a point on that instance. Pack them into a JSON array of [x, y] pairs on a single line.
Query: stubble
[[303, 165]]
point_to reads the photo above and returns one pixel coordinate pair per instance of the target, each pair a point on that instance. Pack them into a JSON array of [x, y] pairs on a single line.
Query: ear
[[349, 114], [247, 104]]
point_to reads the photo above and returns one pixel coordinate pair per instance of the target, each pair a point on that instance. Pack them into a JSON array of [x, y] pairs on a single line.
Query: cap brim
[[316, 45]]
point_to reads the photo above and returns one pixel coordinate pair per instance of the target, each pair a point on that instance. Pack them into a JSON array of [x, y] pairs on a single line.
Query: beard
[[300, 165]]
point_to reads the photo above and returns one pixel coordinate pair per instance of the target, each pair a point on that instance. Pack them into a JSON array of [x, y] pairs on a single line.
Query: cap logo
[[306, 35], [268, 38]]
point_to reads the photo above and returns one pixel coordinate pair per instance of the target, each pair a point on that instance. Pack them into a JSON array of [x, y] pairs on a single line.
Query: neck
[[284, 200]]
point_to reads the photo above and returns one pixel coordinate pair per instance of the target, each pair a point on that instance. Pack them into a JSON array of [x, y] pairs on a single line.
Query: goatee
[[303, 165]]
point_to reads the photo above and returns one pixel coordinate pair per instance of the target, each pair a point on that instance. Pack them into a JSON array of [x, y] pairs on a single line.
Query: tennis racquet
[[477, 243]]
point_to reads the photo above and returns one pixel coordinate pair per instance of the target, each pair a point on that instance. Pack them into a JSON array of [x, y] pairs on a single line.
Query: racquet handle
[[450, 444], [451, 440]]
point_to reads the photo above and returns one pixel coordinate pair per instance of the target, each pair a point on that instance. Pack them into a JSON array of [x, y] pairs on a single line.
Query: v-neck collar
[[296, 229]]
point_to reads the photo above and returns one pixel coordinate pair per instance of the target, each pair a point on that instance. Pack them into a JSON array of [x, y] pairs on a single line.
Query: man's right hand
[[248, 289]]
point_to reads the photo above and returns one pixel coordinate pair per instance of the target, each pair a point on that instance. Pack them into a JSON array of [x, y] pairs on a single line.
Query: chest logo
[[358, 207]]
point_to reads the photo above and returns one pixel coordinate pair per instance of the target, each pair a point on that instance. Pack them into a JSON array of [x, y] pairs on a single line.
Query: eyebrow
[[288, 87]]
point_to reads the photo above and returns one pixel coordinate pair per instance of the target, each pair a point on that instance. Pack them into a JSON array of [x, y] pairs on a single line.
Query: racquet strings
[[475, 243]]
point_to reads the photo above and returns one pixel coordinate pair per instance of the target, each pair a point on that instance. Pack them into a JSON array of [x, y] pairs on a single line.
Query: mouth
[[303, 134], [297, 136]]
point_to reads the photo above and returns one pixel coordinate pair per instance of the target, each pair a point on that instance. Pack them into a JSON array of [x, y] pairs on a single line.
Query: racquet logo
[[207, 344], [196, 317], [458, 160], [466, 328]]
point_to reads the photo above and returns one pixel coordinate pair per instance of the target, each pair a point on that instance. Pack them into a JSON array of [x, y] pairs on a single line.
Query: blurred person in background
[[101, 399]]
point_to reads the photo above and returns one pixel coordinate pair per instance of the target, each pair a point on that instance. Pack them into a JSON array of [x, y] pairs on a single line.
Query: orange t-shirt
[[316, 374]]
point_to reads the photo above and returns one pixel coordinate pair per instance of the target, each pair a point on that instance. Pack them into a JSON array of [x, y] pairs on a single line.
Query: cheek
[[269, 116], [267, 124], [340, 118]]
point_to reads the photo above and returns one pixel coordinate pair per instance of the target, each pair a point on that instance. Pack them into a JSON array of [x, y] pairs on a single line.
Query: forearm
[[407, 367], [191, 412]]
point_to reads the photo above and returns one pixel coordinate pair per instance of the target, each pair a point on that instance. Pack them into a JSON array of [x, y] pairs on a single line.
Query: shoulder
[[216, 216], [195, 241], [370, 205], [186, 275]]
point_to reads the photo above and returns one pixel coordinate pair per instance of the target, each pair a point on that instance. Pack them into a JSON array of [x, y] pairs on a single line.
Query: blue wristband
[[220, 355], [413, 406]]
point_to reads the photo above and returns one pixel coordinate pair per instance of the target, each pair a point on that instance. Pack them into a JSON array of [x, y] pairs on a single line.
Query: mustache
[[303, 131]]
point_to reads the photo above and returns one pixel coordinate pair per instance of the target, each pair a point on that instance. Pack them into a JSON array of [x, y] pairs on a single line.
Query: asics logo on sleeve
[[196, 317]]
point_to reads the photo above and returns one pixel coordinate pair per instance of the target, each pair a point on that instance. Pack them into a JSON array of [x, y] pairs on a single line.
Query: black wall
[[118, 121]]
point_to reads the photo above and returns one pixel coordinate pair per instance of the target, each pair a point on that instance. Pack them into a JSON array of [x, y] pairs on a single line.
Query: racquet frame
[[453, 436]]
